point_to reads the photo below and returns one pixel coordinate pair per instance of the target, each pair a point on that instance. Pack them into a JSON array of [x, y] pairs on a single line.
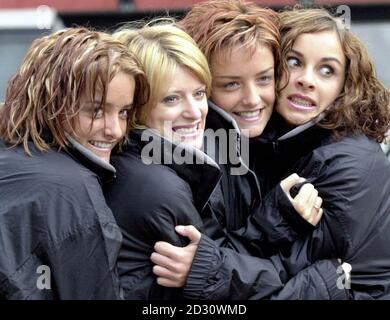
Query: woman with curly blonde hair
[[66, 110]]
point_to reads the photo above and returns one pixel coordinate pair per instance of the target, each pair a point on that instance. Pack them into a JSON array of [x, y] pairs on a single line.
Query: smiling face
[[181, 112], [244, 86], [99, 130], [317, 67]]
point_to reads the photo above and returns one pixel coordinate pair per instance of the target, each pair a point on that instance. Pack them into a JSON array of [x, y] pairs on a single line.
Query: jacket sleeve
[[142, 227], [355, 188], [272, 226], [59, 245], [322, 280], [221, 273]]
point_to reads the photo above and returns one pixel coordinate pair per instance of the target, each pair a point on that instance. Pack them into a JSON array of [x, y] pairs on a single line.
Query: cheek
[[269, 96], [84, 126], [225, 101], [204, 108], [123, 125], [158, 116], [283, 81]]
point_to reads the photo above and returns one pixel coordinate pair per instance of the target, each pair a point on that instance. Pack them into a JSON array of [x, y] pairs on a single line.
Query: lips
[[249, 116], [187, 131], [301, 102], [102, 145]]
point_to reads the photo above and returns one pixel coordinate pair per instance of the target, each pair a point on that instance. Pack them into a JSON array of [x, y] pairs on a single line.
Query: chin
[[105, 158], [252, 132]]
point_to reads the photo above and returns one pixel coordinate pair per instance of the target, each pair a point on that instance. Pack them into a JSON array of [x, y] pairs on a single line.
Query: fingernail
[[179, 228]]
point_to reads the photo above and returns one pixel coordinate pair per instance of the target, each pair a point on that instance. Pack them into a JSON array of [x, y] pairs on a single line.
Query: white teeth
[[301, 102], [99, 144], [184, 131], [249, 114]]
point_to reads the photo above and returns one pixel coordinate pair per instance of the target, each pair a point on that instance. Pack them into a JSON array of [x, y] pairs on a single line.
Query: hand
[[172, 264], [306, 202]]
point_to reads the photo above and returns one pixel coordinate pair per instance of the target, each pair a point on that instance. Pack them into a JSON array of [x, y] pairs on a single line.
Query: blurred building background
[[21, 21]]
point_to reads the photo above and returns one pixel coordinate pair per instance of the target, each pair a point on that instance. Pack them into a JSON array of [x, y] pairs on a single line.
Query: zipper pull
[[275, 146]]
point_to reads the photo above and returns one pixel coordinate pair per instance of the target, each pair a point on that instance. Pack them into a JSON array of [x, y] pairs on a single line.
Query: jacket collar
[[195, 167], [217, 119], [297, 141], [298, 130], [105, 171]]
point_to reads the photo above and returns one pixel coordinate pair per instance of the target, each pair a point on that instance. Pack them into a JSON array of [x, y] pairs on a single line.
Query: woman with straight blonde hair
[[66, 110]]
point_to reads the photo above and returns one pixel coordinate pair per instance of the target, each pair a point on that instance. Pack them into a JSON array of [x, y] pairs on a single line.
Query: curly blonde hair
[[43, 97], [363, 107]]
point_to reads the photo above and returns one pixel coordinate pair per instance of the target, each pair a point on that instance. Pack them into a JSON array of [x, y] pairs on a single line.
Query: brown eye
[[124, 114], [98, 113]]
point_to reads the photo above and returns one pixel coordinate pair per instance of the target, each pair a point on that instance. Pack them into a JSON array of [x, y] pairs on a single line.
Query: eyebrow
[[202, 87], [325, 59], [128, 106], [257, 74]]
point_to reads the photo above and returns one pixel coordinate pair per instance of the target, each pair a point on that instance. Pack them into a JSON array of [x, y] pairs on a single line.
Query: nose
[[251, 96], [114, 127], [193, 109], [305, 79]]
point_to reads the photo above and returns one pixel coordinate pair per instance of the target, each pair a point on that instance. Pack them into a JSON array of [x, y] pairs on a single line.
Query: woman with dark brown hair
[[332, 112], [66, 109]]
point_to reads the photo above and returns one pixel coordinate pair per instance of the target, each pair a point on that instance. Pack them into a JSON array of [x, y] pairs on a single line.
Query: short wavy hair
[[161, 47], [43, 97], [363, 106], [218, 26]]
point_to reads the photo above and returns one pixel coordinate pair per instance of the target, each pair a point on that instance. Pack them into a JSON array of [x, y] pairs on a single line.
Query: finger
[[317, 217], [304, 194], [163, 272], [168, 283], [189, 231], [312, 198], [304, 202], [290, 181], [166, 249], [318, 203], [161, 260]]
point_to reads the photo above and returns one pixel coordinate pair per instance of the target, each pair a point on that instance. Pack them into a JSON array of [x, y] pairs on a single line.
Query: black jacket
[[149, 199], [237, 207], [265, 226], [53, 213], [352, 176]]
